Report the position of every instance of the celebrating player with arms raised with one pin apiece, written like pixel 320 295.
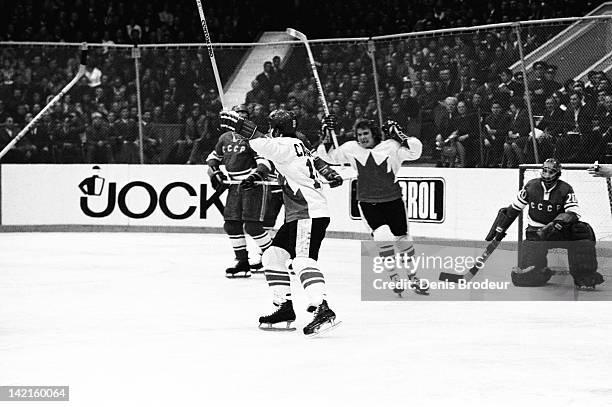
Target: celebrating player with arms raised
pixel 377 162
pixel 306 218
pixel 553 221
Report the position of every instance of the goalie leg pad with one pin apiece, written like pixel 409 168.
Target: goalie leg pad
pixel 581 253
pixel 531 276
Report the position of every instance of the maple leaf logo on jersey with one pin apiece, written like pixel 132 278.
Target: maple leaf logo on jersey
pixel 374 173
pixel 376 179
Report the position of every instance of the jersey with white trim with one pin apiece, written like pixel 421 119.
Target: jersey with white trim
pixel 376 167
pixel 545 205
pixel 302 189
pixel 238 157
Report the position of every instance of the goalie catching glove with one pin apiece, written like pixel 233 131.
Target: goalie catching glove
pixel 323 168
pixel 232 121
pixel 555 229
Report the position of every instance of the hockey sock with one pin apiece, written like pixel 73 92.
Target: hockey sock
pixel 236 235
pixel 312 279
pixel 405 250
pixel 259 234
pixel 280 283
pixel 388 250
pixel 276 274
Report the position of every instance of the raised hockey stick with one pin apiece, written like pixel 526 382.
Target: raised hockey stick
pixel 211 53
pixel 77 77
pixel 302 37
pixel 454 278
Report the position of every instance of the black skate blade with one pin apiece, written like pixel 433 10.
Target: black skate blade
pixel 586 288
pixel 240 274
pixel 275 328
pixel 324 329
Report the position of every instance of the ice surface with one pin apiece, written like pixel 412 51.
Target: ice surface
pixel 151 320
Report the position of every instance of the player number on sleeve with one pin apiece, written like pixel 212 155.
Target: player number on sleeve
pixel 571 198
pixel 309 164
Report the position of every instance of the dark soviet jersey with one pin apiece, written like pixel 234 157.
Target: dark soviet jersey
pixel 237 156
pixel 545 205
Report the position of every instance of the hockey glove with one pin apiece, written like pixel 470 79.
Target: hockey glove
pixel 554 229
pixel 323 168
pixel 217 177
pixel 328 125
pixel 250 182
pixel 392 130
pixel 232 121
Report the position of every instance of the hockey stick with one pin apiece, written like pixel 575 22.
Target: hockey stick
pixel 211 53
pixel 53 101
pixel 454 278
pixel 237 182
pixel 300 36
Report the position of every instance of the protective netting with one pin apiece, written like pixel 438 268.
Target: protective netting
pixel 461 91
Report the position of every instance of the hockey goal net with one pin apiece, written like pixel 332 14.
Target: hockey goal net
pixel 594 197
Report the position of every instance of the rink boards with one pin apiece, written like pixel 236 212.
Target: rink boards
pixel 442 203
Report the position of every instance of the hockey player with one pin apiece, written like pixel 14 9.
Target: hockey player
pixel 379 195
pixel 244 209
pixel 601 170
pixel 306 218
pixel 553 221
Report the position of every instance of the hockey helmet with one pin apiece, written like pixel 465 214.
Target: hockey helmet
pixel 551 171
pixel 241 109
pixel 282 122
pixel 363 124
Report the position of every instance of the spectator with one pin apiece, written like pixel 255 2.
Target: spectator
pixel 98 140
pixel 497 125
pixel 517 135
pixel 126 132
pixel 468 136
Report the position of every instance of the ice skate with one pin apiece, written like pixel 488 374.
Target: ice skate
pixel 279 320
pixel 588 283
pixel 417 286
pixel 398 287
pixel 324 320
pixel 242 269
pixel 257 268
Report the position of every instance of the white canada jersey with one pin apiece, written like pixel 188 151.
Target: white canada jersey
pixel 302 188
pixel 376 167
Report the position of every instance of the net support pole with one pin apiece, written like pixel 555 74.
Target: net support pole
pixel 372 54
pixel 517 29
pixel 136 56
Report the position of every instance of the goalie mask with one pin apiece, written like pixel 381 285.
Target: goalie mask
pixel 282 122
pixel 551 171
pixel 367 133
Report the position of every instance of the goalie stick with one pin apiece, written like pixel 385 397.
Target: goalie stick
pixel 454 278
pixel 66 89
pixel 302 37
